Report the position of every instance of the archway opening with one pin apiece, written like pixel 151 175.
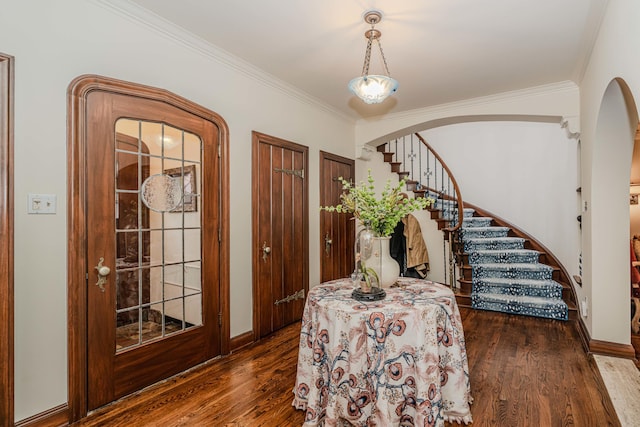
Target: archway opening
pixel 608 203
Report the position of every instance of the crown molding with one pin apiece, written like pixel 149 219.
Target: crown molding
pixel 597 13
pixel 139 15
pixel 456 106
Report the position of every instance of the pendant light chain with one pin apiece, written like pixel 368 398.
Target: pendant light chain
pixel 373 35
pixel 384 60
pixel 367 58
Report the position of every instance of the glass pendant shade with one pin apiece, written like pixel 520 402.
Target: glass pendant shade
pixel 373 89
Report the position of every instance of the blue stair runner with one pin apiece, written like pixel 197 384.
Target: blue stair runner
pixel 506 277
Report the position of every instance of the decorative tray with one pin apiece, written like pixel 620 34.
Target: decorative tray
pixel 376 294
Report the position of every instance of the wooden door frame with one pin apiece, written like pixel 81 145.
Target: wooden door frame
pixel 324 155
pixel 256 138
pixel 6 241
pixel 77 263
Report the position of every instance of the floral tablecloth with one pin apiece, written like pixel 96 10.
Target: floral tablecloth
pixel 398 361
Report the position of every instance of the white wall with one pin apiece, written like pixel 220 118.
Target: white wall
pixel 609 120
pixel 523 172
pixel 68 38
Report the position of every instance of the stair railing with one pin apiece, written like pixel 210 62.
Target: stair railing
pixel 427 175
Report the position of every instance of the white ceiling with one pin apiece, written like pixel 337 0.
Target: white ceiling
pixel 439 50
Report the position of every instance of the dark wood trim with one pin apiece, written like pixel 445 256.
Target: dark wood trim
pixel 337 158
pixel 54 417
pixel 77 264
pixel 241 341
pixel 255 231
pixel 76 252
pixel 583 332
pixel 6 241
pixel 625 351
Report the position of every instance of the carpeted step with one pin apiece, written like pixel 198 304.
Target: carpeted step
pixel 477 221
pixel 446 203
pixel 485 244
pixel 451 213
pixel 486 232
pixel 518 256
pixel 522 305
pixel 520 287
pixel 512 271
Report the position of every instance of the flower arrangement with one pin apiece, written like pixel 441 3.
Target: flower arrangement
pixel 381 215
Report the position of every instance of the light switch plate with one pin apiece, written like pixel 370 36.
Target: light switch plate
pixel 41 204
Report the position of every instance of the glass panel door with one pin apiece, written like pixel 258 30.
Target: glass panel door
pixel 158 231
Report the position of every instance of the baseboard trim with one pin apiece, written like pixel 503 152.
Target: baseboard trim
pixel 605 348
pixel 625 351
pixel 584 334
pixel 54 417
pixel 242 340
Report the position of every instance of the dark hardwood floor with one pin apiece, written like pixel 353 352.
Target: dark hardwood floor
pixel 524 372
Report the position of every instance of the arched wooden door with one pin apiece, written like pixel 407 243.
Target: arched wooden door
pixel 149 225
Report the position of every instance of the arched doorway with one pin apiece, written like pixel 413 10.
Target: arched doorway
pixel 606 211
pixel 634 232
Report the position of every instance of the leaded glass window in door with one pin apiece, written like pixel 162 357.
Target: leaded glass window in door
pixel 158 231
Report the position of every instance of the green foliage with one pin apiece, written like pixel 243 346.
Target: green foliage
pixel 382 214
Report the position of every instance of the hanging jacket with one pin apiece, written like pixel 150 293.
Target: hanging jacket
pixel 417 255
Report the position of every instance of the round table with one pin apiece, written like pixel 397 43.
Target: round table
pixel 398 361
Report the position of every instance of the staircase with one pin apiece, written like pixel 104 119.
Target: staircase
pixel 501 268
pixel 505 275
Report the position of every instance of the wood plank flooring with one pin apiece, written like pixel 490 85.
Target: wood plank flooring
pixel 524 372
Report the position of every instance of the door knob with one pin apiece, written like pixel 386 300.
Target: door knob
pixel 266 250
pixel 103 272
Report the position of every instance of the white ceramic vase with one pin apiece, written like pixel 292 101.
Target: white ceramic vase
pixel 381 261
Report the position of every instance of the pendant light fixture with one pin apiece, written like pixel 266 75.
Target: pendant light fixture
pixel 373 88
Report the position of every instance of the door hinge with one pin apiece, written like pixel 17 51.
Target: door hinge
pixel 292 297
pixel 220 319
pixel 295 172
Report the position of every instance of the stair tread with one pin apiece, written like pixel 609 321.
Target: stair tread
pixel 516 282
pixel 521 299
pixel 515 265
pixel 501 251
pixel 494 239
pixel 489 227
